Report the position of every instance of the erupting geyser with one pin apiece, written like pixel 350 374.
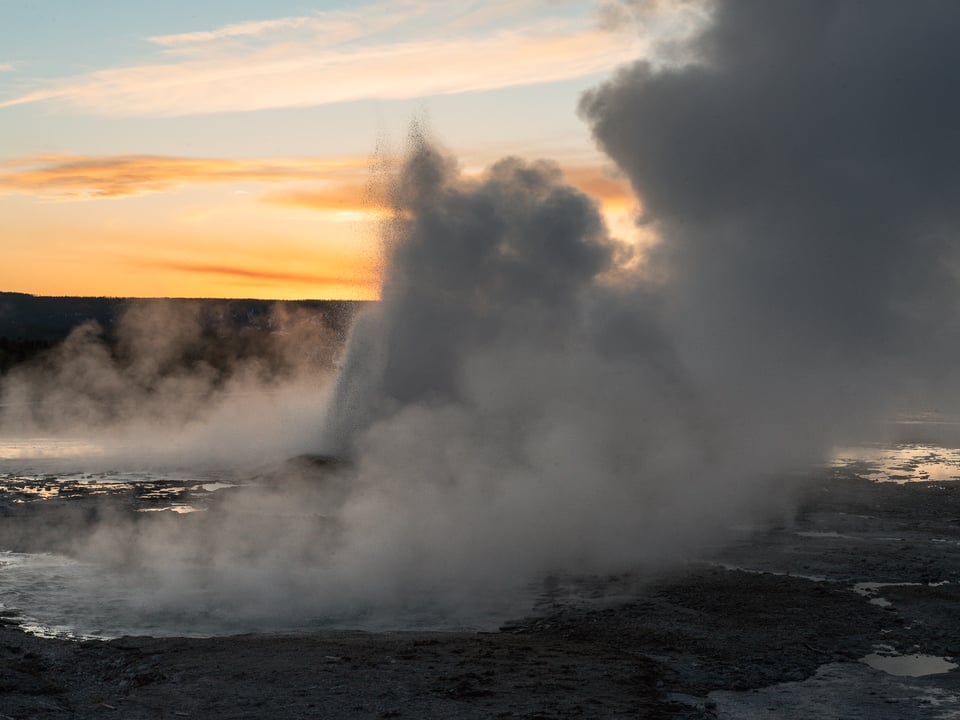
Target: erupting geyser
pixel 527 398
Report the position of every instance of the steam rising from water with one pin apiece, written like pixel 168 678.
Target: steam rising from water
pixel 520 404
pixel 178 384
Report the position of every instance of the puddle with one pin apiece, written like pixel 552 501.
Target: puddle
pixel 909 665
pixel 214 486
pixel 870 590
pixel 179 509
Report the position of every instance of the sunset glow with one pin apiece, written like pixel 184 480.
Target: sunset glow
pixel 237 151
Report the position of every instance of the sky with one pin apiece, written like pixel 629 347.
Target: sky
pixel 229 149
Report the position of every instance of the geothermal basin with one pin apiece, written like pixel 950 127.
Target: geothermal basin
pixel 847 604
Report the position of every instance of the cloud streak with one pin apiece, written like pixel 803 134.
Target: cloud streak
pixel 322 27
pixel 342 277
pixel 81 176
pixel 340 57
pixel 337 197
pixel 601 182
pixel 234 30
pixel 342 186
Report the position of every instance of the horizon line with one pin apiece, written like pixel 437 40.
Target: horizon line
pixel 184 297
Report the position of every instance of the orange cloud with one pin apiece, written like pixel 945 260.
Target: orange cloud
pixel 337 185
pixel 348 197
pixel 76 176
pixel 341 280
pixel 612 190
pixel 278 276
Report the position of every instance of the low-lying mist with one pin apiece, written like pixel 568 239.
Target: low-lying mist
pixel 528 398
pixel 181 382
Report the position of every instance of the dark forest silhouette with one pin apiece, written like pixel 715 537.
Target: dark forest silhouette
pixel 32 324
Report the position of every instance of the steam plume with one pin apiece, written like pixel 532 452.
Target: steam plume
pixel 518 403
pixel 802 176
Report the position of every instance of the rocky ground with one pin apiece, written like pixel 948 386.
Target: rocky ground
pixel 775 625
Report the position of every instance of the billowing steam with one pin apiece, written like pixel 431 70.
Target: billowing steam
pixel 803 178
pixel 520 404
pixel 509 410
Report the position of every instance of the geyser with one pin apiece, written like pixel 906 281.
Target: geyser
pixel 513 405
pixel 521 402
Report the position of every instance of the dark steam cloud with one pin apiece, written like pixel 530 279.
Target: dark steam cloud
pixel 471 265
pixel 803 176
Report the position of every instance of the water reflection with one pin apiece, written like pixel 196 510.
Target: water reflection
pixel 909 462
pixel 30 448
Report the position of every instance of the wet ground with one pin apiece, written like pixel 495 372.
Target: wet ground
pixel 850 608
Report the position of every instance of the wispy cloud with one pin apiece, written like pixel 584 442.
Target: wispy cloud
pixel 410 18
pixel 400 49
pixel 7 67
pixel 344 198
pixel 319 28
pixel 78 177
pixel 236 30
pixel 342 189
pixel 259 274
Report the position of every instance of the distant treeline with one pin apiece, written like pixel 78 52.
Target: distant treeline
pixel 31 324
